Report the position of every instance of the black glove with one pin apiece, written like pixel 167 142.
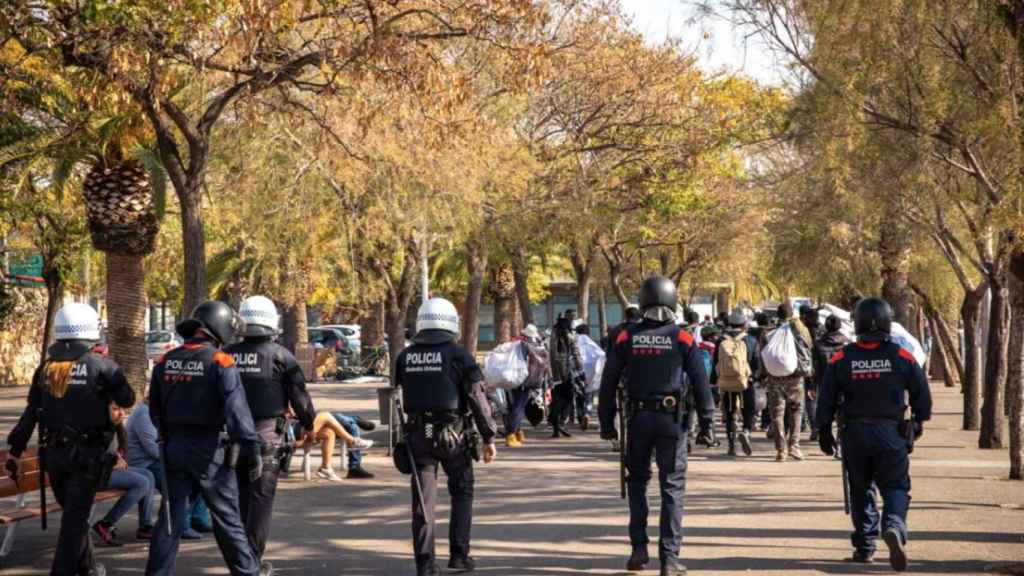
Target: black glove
pixel 918 430
pixel 826 441
pixel 12 467
pixel 610 434
pixel 255 462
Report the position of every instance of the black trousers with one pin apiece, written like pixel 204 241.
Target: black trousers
pixel 663 436
pixel 459 469
pixel 74 483
pixel 561 405
pixel 189 474
pixel 256 499
pixel 739 406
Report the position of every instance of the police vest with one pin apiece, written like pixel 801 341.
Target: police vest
pixel 190 387
pixel 655 357
pixel 261 371
pixel 83 406
pixel 873 381
pixel 430 379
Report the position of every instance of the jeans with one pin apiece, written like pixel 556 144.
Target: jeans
pixel 355 457
pixel 198 512
pixel 517 399
pixel 138 484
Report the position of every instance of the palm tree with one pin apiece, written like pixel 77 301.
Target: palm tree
pixel 123 182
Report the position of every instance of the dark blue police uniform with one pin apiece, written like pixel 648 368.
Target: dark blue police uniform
pixel 654 357
pixel 273 381
pixel 867 384
pixel 441 384
pixel 195 394
pixel 75 425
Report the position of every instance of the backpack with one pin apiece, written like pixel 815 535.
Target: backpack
pixel 707 351
pixel 779 355
pixel 733 367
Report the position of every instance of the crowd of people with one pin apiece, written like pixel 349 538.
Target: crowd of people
pixel 222 418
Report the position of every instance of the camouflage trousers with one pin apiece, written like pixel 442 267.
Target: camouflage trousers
pixel 783 393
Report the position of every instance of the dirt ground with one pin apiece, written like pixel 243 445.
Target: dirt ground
pixel 553 508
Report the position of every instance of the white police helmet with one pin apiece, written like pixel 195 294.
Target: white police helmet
pixel 77 321
pixel 260 316
pixel 438 314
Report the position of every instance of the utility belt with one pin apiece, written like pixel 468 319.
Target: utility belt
pixel 877 420
pixel 70 436
pixel 448 432
pixel 669 404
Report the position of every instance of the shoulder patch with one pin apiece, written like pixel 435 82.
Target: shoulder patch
pixel 906 355
pixel 837 357
pixel 623 337
pixel 225 360
pixel 685 337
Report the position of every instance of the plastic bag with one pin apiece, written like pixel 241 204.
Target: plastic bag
pixel 506 367
pixel 779 353
pixel 907 341
pixel 499 401
pixel 593 362
pixel 760 399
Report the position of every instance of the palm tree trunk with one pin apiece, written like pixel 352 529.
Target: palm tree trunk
pixel 126 316
pixel 294 329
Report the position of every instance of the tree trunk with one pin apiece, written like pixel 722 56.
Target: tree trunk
pixel 54 300
pixel 503 292
pixel 194 244
pixel 294 329
pixel 970 313
pixel 372 327
pixel 521 269
pixel 615 279
pixel 1015 374
pixel 894 249
pixel 943 354
pixel 602 312
pixel 398 302
pixel 583 268
pixel 942 335
pixel 477 267
pixel 992 416
pixel 126 316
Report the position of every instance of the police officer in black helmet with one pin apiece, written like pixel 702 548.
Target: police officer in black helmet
pixel 657 357
pixel 198 405
pixel 273 381
pixel 443 395
pixel 867 384
pixel 69 400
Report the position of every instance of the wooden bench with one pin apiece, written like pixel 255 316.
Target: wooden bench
pixel 28 483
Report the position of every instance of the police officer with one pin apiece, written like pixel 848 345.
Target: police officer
pixel 656 357
pixel 69 399
pixel 196 395
pixel 273 381
pixel 443 395
pixel 867 383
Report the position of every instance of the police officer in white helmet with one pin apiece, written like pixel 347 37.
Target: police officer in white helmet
pixel 69 399
pixel 273 381
pixel 442 390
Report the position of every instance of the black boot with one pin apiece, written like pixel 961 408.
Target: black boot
pixel 862 557
pixel 428 569
pixel 638 559
pixel 462 564
pixel 672 567
pixel 732 444
pixel 897 550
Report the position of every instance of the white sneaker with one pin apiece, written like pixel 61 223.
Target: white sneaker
pixel 328 474
pixel 361 444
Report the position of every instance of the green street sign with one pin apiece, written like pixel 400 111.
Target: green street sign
pixel 27 266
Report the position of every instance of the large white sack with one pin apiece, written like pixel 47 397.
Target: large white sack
pixel 593 361
pixel 506 366
pixel 907 341
pixel 779 353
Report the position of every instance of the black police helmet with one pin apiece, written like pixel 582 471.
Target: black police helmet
pixel 658 291
pixel 216 318
pixel 872 319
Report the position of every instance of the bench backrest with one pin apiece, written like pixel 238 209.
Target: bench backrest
pixel 28 474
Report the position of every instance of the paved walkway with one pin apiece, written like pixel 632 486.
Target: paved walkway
pixel 552 509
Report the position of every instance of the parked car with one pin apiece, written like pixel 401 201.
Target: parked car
pixel 160 342
pixel 352 333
